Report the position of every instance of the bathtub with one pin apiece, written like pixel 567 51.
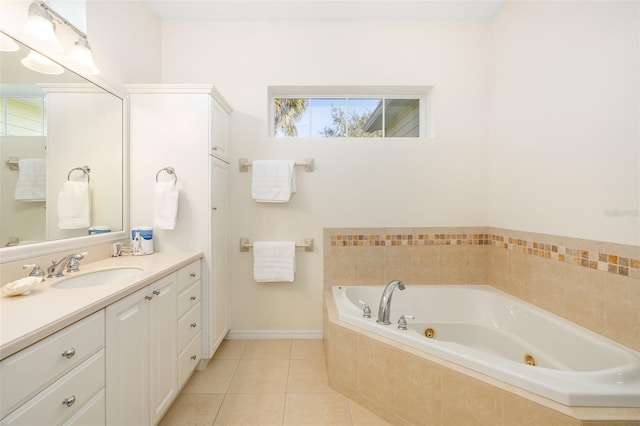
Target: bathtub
pixel 489 331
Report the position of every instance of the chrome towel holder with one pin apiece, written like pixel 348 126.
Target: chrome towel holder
pixel 309 165
pixel 245 245
pixel 169 170
pixel 84 169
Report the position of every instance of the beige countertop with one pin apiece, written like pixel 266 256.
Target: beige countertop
pixel 27 319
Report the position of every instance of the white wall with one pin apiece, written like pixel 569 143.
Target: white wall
pixel 437 182
pixel 564 151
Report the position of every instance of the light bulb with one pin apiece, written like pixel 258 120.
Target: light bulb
pixel 82 56
pixel 41 26
pixel 36 62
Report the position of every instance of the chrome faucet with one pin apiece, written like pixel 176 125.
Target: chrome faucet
pixel 385 302
pixel 71 261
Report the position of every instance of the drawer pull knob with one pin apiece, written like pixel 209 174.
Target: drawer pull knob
pixel 69 401
pixel 193 325
pixel 193 357
pixel 156 292
pixel 69 353
pixel 148 297
pixel 193 297
pixel 192 275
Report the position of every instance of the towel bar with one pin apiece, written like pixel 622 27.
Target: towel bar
pixel 308 165
pixel 170 170
pixel 245 245
pixel 12 163
pixel 84 169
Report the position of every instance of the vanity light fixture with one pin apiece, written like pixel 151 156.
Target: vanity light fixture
pixel 81 55
pixel 36 62
pixel 42 19
pixel 40 25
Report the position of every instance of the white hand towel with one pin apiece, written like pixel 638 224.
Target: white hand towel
pixel 32 180
pixel 74 206
pixel 274 261
pixel 165 205
pixel 273 181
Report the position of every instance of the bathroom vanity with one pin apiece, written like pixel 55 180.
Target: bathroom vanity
pixel 112 352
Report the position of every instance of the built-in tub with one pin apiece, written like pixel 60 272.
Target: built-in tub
pixel 489 331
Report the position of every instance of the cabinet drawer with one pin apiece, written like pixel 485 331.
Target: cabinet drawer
pixel 189 298
pixel 189 325
pixel 188 359
pixel 189 275
pixel 29 371
pixel 93 413
pixel 78 386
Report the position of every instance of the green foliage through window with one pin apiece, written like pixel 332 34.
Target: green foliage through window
pixel 333 117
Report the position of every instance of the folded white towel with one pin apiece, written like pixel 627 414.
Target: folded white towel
pixel 74 205
pixel 21 286
pixel 165 205
pixel 274 261
pixel 32 180
pixel 273 181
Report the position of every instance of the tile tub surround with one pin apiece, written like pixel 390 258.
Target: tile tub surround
pixel 594 284
pixel 407 387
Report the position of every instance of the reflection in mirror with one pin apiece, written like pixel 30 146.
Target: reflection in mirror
pixel 51 127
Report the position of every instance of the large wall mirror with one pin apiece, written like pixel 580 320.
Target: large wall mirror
pixel 62 153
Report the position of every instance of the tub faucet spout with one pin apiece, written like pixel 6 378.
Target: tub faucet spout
pixel 385 301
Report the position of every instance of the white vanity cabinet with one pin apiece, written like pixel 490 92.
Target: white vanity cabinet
pixel 185 127
pixel 141 340
pixel 189 321
pixel 58 379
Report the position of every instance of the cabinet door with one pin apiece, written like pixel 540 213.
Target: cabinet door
pixel 219 254
pixel 127 348
pixel 218 143
pixel 163 346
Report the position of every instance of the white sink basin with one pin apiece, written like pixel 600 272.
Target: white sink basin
pixel 95 278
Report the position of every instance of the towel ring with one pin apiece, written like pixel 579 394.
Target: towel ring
pixel 84 169
pixel 169 170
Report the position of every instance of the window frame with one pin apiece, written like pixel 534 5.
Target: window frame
pixel 421 93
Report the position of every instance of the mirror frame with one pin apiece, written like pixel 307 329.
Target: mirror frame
pixel 8 254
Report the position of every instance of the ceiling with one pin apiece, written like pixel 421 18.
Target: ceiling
pixel 324 10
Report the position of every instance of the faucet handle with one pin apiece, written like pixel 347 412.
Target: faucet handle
pixel 402 322
pixel 366 310
pixel 36 271
pixel 74 262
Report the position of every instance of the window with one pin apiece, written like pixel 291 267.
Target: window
pixel 22 116
pixel 357 116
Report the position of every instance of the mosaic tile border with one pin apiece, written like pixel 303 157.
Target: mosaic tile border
pixel 607 262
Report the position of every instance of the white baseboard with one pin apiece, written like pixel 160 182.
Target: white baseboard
pixel 274 334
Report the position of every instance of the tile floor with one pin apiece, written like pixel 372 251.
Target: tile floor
pixel 265 383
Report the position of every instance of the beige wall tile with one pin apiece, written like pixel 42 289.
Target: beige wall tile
pixel 330 409
pixel 251 410
pixel 418 389
pixel 622 310
pixel 583 297
pixel 466 401
pixel 543 289
pixel 342 353
pixel 375 370
pixel 370 265
pixel 426 265
pixel 477 259
pixel 452 264
pixel 340 266
pixel 521 412
pixel 360 416
pixel 399 264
